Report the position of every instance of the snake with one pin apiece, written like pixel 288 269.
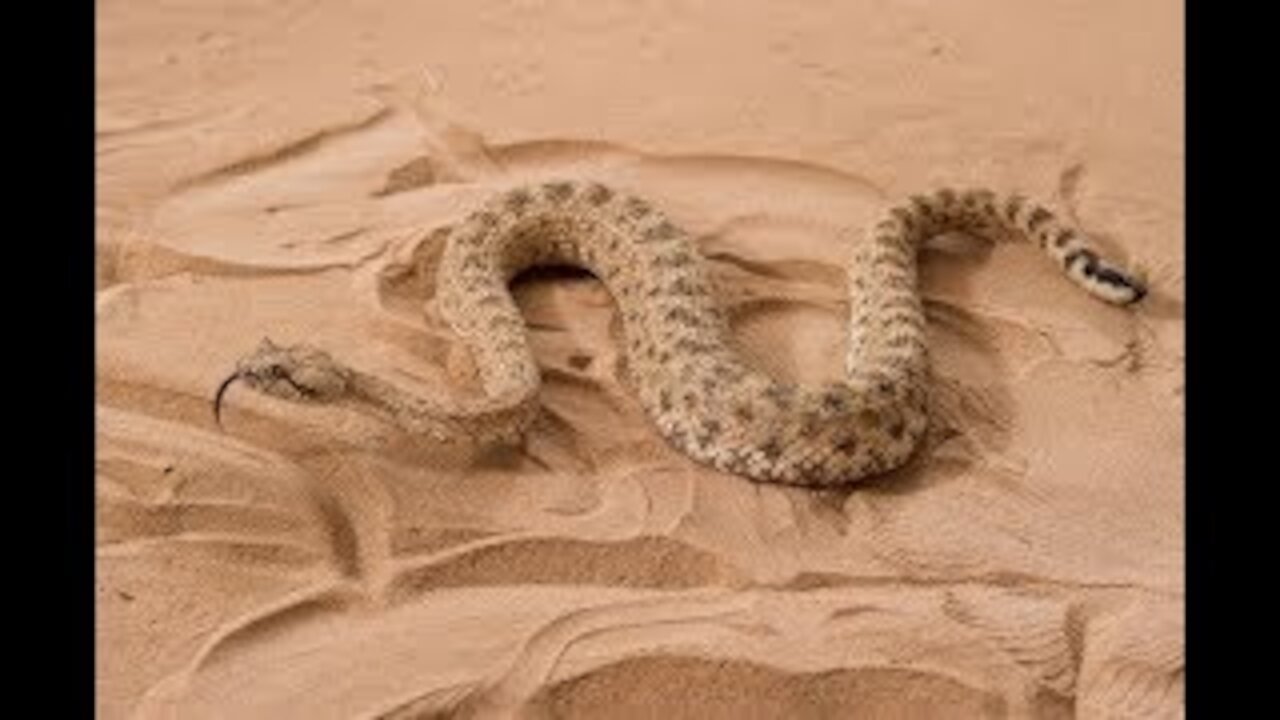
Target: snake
pixel 705 397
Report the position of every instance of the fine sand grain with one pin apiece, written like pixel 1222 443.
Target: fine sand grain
pixel 278 169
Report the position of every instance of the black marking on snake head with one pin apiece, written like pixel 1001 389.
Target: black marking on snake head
pixel 303 391
pixel 1065 236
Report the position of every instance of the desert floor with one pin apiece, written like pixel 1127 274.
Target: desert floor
pixel 276 169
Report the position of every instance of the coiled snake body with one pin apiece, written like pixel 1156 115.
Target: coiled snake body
pixel 703 396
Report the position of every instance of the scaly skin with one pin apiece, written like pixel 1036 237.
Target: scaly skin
pixel 703 396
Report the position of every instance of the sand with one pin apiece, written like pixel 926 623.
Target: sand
pixel 276 169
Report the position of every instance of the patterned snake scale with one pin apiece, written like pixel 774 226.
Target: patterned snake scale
pixel 703 396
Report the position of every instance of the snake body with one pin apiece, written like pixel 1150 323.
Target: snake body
pixel 704 397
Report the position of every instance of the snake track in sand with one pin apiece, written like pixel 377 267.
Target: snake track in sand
pixel 704 397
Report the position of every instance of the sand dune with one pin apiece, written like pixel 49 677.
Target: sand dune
pixel 278 169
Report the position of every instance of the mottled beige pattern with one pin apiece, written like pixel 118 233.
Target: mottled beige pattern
pixel 704 397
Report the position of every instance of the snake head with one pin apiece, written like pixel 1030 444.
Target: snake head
pixel 300 373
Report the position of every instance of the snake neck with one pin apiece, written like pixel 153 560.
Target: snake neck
pixel 492 419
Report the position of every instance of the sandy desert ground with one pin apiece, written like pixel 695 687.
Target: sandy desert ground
pixel 277 169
